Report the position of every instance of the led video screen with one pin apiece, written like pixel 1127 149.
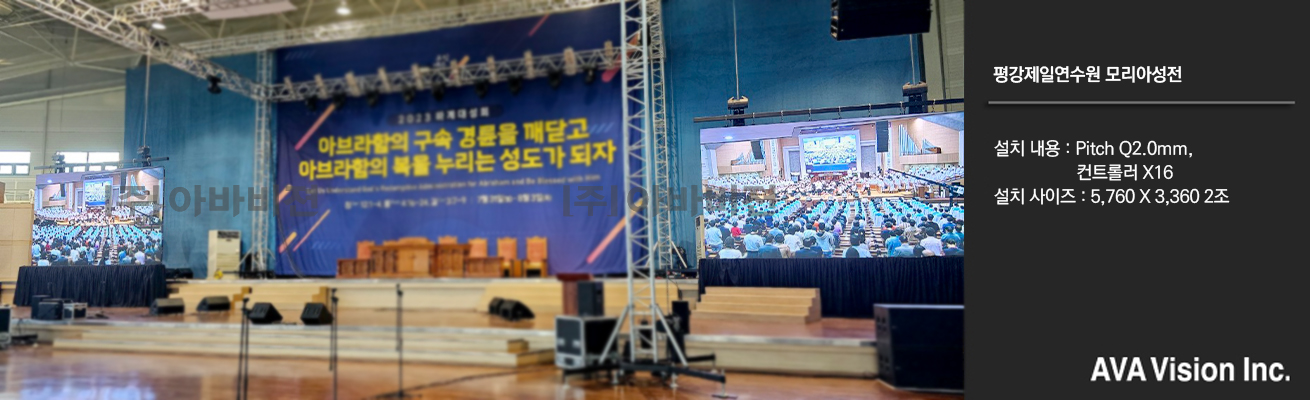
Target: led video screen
pixel 99 218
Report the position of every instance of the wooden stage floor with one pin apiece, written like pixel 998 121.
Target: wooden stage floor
pixel 827 328
pixel 45 373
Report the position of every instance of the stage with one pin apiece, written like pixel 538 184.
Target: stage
pixel 445 323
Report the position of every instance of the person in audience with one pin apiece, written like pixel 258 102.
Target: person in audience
pixel 810 250
pixel 730 250
pixel 753 241
pixel 904 249
pixel 892 242
pixel 858 249
pixel 770 248
pixel 827 241
pixel 793 239
pixel 784 249
pixel 952 249
pixel 930 242
pixel 713 237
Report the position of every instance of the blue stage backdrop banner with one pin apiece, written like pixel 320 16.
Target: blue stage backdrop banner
pixel 543 162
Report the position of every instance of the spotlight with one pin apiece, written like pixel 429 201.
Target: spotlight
pixel 339 99
pixel 158 25
pixel 408 94
pixel 515 85
pixel 590 75
pixel 213 84
pixel 311 103
pixel 481 87
pixel 373 98
pixel 438 89
pixel 343 10
pixel 556 77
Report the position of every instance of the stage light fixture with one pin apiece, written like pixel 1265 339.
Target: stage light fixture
pixel 408 94
pixel 556 77
pixel 373 98
pixel 343 9
pixel 311 103
pixel 515 85
pixel 438 89
pixel 339 99
pixel 158 25
pixel 589 74
pixel 213 84
pixel 482 87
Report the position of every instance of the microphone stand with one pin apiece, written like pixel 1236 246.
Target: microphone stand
pixel 332 359
pixel 400 343
pixel 104 299
pixel 243 356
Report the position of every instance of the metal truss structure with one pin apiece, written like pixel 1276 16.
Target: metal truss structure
pixel 412 22
pixel 260 252
pixel 642 314
pixel 150 10
pixel 106 25
pixel 641 56
pixel 663 157
pixel 454 75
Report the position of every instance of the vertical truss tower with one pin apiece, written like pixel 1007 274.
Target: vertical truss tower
pixel 260 253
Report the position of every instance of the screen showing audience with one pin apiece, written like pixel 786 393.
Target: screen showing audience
pixel 98 218
pixel 872 187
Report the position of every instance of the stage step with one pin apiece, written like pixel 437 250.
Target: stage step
pixel 769 317
pixel 378 342
pixel 761 291
pixel 492 359
pixel 740 299
pixel 755 304
pixel 271 341
pixel 754 308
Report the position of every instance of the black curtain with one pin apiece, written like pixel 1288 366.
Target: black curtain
pixel 848 287
pixel 99 286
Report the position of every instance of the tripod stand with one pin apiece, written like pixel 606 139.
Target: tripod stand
pixel 243 354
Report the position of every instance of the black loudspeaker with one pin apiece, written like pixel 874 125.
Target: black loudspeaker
pixel 920 347
pixel 37 299
pixel 316 314
pixel 591 299
pixel 881 127
pixel 48 311
pixel 757 149
pixel 5 314
pixel 494 307
pixel 858 19
pixel 214 303
pixel 264 313
pixel 167 306
pixel 514 310
pixel 682 309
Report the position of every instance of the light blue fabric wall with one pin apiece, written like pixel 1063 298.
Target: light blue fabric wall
pixel 209 140
pixel 788 60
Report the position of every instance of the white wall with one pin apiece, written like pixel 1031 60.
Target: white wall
pixel 86 123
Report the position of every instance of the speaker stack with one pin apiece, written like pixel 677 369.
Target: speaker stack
pixel 920 347
pixel 316 314
pixel 514 310
pixel 591 299
pixel 214 303
pixel 858 19
pixel 264 313
pixel 167 306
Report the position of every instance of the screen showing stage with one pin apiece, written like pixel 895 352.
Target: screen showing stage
pixel 98 218
pixel 95 191
pixel 864 187
pixel 831 152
